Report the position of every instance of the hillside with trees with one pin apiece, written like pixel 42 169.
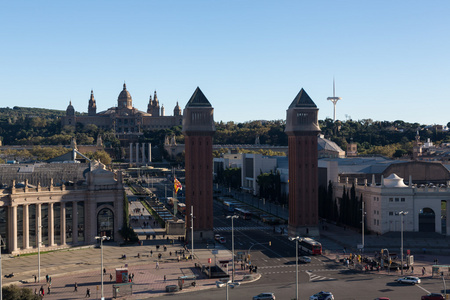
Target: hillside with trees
pixel 37 126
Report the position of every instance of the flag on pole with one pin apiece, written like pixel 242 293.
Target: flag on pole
pixel 177 185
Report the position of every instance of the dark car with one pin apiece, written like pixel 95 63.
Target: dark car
pixel 433 296
pixel 264 296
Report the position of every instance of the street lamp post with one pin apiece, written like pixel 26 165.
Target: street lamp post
pixel 362 224
pixel 402 213
pixel 296 264
pixel 192 231
pixel 232 243
pixel 102 238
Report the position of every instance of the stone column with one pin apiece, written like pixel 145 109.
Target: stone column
pixel 74 222
pixel 131 153
pixel 137 153
pixel 38 224
pixel 63 223
pixel 13 231
pixel 149 152
pixel 26 226
pixel 143 153
pixel 51 225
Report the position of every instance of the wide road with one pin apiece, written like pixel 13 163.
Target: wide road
pixel 276 264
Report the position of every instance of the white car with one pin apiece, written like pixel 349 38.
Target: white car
pixel 409 280
pixel 264 296
pixel 322 296
pixel 220 284
pixel 304 259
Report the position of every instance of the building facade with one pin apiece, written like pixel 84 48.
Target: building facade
pixel 87 202
pixel 427 206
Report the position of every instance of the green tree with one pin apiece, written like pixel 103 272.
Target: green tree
pixel 13 292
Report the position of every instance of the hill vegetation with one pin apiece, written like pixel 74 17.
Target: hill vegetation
pixel 37 126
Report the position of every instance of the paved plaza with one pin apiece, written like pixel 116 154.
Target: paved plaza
pixel 83 265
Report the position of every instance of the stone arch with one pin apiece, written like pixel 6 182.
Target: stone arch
pixel 427 220
pixel 105 222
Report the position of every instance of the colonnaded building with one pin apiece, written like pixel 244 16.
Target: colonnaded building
pixel 60 204
pixel 124 119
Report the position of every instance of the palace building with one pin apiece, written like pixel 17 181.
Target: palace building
pixel 128 122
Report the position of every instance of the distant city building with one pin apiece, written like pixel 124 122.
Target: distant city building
pixel 127 122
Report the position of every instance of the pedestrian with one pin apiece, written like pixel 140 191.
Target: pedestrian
pixel 110 277
pixel 50 281
pixel 104 271
pixel 41 291
pixel 151 253
pixel 46 278
pixel 35 278
pixel 423 271
pixel 412 269
pixel 75 289
pixel 157 265
pixel 88 293
pixel 48 290
pixel 164 278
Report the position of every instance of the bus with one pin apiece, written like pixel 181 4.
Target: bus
pixel 310 246
pixel 243 214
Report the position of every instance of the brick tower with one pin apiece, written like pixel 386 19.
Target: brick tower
pixel 198 130
pixel 302 128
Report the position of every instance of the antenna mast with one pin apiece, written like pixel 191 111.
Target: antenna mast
pixel 334 99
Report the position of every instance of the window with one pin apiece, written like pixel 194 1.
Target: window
pixel 391 213
pixel 374 212
pixel 374 222
pixel 391 199
pixel 397 199
pixel 402 199
pixel 378 222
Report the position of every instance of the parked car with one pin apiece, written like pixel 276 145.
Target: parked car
pixel 217 237
pixel 264 296
pixel 222 240
pixel 382 298
pixel 304 259
pixel 433 296
pixel 220 284
pixel 322 296
pixel 409 280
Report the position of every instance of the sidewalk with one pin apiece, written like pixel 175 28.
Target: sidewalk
pixel 83 266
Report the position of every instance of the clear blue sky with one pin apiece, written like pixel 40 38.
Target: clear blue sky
pixel 391 59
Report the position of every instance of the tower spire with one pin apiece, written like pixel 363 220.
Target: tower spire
pixel 334 99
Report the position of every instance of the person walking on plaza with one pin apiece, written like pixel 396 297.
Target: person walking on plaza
pixel 48 290
pixel 41 291
pixel 110 277
pixel 75 289
pixel 157 265
pixel 423 271
pixel 165 278
pixel 88 293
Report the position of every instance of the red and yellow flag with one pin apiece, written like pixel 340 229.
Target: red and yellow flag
pixel 177 185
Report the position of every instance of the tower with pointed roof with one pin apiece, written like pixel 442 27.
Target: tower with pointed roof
pixel 198 130
pixel 177 110
pixel 92 107
pixel 302 128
